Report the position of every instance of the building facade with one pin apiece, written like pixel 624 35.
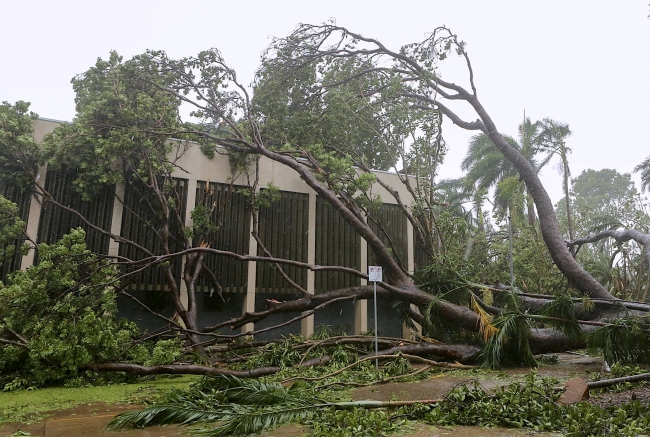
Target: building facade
pixel 299 226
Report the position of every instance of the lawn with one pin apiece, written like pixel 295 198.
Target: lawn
pixel 29 405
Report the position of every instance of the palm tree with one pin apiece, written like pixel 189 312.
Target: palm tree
pixel 553 135
pixel 488 168
pixel 459 192
pixel 644 168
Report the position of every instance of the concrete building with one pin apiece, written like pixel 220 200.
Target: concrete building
pixel 299 225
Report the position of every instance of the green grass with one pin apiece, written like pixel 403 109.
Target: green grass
pixel 26 406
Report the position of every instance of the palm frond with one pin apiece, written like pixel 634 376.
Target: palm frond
pixel 243 420
pixel 254 392
pixel 563 317
pixel 164 414
pixel 486 328
pixel 625 340
pixel 485 164
pixel 509 346
pixel 241 406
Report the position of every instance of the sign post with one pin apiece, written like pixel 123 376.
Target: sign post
pixel 374 275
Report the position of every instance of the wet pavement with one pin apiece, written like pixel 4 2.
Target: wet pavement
pixel 474 431
pixel 89 420
pixel 80 425
pixel 435 387
pixel 429 431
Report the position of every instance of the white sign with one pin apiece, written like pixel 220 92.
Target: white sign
pixel 374 273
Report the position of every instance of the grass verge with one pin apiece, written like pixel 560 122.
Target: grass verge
pixel 28 406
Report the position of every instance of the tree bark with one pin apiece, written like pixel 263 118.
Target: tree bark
pixel 576 275
pixel 462 353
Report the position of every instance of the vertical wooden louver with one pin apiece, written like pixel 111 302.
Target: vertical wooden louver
pixel 337 244
pixel 421 258
pixel 56 221
pixel 141 221
pixel 283 229
pixel 22 200
pixel 233 220
pixel 389 223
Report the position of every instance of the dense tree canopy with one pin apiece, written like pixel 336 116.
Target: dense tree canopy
pixel 329 104
pixel 603 201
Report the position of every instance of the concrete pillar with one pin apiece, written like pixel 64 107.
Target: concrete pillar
pixel 34 218
pixel 410 247
pixel 307 324
pixel 189 207
pixel 249 300
pixel 116 220
pixel 361 305
pixel 406 331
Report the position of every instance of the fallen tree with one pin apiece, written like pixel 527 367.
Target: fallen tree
pixel 128 112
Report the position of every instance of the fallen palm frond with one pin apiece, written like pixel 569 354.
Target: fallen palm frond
pixel 240 407
pixel 561 313
pixel 486 328
pixel 182 412
pixel 243 420
pixel 624 340
pixel 509 346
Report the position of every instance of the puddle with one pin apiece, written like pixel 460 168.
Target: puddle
pixel 88 421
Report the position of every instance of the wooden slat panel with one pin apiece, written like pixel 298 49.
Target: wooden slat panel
pixel 233 233
pixel 282 227
pixel 420 257
pixel 140 220
pixel 390 225
pixel 56 221
pixel 22 200
pixel 336 244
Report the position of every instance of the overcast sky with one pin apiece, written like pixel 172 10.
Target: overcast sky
pixel 582 62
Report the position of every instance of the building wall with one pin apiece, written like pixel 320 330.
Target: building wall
pixel 298 226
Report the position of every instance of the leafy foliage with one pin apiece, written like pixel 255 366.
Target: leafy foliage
pixel 356 422
pixel 528 405
pixel 644 169
pixel 305 112
pixel 64 309
pixel 532 405
pixel 522 404
pixel 11 230
pixel 122 126
pixel 282 353
pixel 624 340
pixel 61 315
pixel 19 152
pixel 246 406
pixel 606 199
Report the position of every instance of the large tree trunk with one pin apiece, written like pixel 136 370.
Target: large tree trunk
pixel 577 276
